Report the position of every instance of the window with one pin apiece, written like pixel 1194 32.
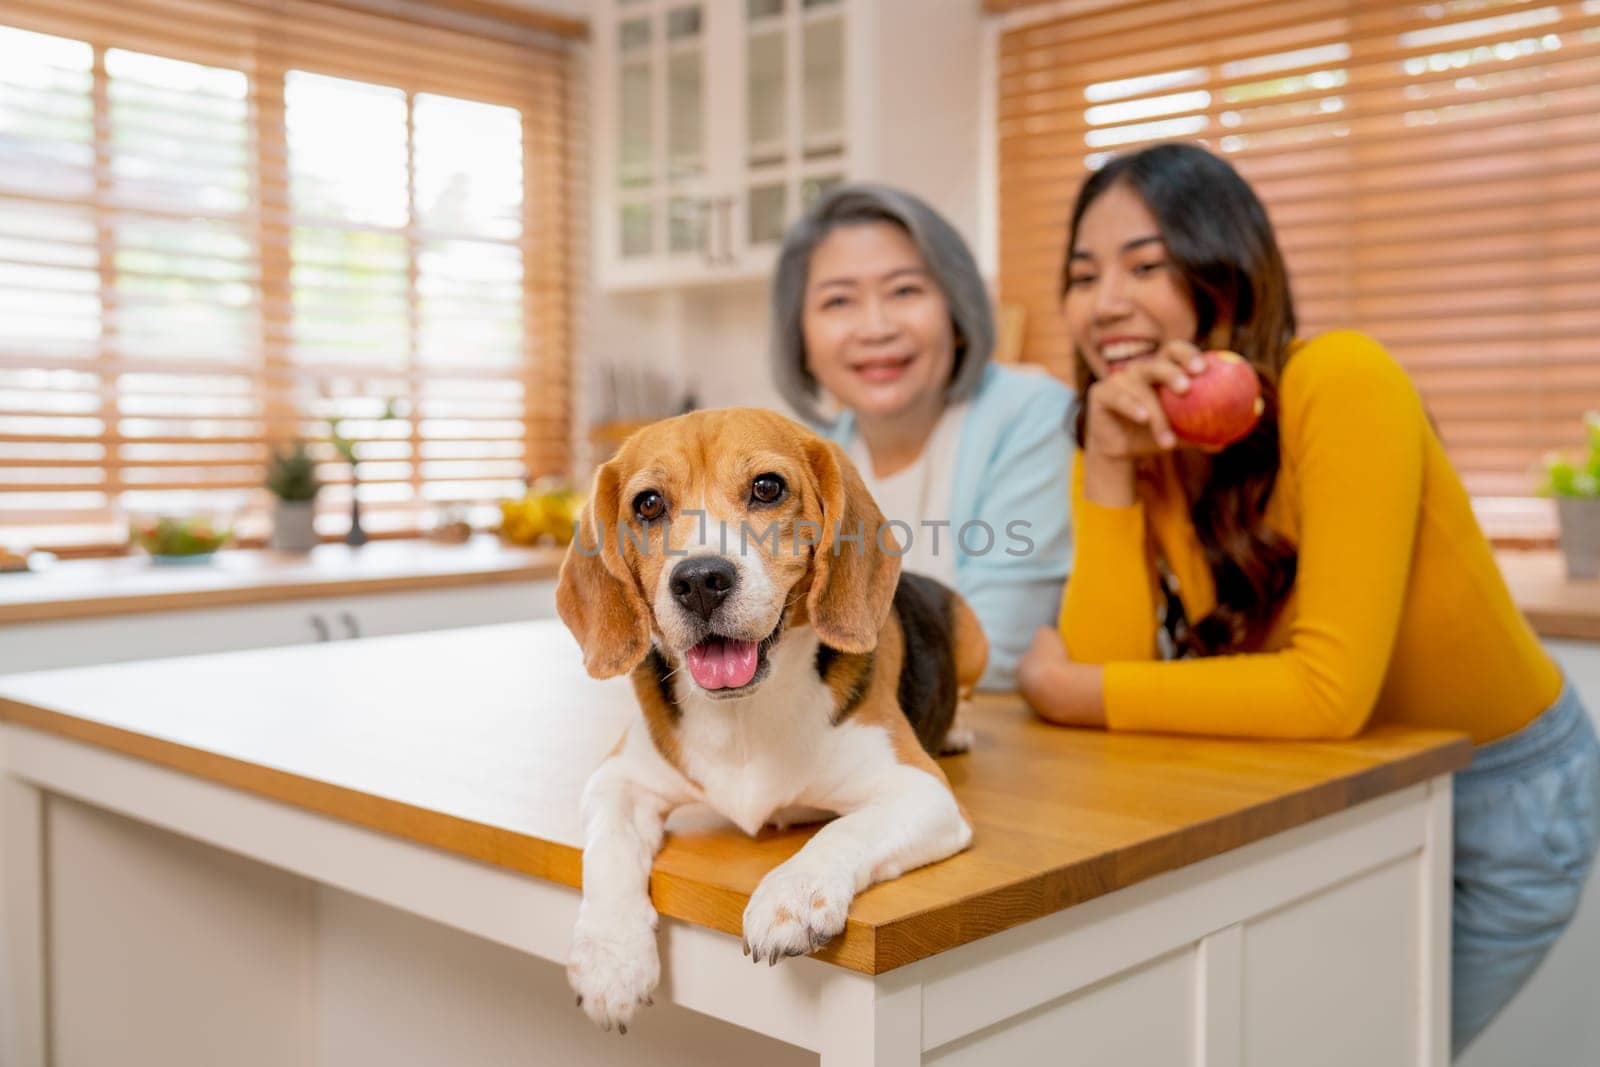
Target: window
pixel 220 231
pixel 1429 167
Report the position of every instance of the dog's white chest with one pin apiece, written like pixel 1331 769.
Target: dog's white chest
pixel 751 761
pixel 749 796
pixel 751 758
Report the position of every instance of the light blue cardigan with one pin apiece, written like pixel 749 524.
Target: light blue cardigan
pixel 1014 463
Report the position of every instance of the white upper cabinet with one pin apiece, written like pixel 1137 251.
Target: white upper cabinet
pixel 715 124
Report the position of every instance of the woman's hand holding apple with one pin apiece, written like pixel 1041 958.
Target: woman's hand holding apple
pixel 1126 419
pixel 1143 407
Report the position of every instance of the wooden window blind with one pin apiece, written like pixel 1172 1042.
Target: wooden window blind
pixel 1431 169
pixel 225 222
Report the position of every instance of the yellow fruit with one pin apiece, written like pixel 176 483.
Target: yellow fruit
pixel 548 510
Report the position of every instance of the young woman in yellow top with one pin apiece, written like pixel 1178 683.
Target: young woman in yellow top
pixel 1324 573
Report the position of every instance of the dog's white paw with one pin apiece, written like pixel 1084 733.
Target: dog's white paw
pixel 795 911
pixel 614 965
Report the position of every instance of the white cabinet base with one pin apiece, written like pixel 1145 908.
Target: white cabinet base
pixel 38 646
pixel 1323 945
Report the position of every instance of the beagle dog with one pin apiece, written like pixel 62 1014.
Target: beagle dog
pixel 735 564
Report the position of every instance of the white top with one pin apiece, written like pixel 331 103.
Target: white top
pixel 921 493
pixel 83 587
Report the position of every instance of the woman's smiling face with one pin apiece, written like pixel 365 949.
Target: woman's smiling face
pixel 1125 297
pixel 877 329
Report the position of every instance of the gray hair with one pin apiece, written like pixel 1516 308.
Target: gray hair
pixel 945 254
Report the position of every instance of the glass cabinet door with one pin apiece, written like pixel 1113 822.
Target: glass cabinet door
pixel 822 80
pixel 661 129
pixel 794 144
pixel 684 93
pixel 636 141
pixel 767 119
pixel 730 118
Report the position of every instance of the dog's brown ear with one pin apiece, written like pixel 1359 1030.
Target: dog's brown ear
pixel 597 596
pixel 852 581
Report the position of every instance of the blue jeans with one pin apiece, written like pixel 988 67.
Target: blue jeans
pixel 1527 822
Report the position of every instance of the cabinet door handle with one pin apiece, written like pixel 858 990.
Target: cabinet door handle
pixel 708 251
pixel 352 629
pixel 319 625
pixel 725 206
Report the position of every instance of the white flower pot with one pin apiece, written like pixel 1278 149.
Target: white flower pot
pixel 1580 536
pixel 294 527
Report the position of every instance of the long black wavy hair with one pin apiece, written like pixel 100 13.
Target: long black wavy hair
pixel 1222 246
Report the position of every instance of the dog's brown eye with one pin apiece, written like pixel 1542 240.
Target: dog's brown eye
pixel 649 506
pixel 767 489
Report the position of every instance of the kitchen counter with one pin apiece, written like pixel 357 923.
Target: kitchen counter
pixel 75 589
pixel 471 742
pixel 1556 605
pixel 463 752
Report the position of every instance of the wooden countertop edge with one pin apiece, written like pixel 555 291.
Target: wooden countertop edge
pixel 917 937
pixel 503 848
pixel 1554 604
pixel 140 604
pixel 1570 623
pixel 863 947
pixel 674 896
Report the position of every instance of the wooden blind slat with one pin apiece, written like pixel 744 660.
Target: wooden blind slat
pixel 1041 93
pixel 1571 98
pixel 1137 29
pixel 1430 170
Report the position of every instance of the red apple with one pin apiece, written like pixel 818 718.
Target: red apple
pixel 1221 406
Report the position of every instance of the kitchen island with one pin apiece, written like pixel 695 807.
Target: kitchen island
pixel 369 852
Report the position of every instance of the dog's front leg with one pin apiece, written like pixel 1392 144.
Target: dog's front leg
pixel 614 964
pixel 904 819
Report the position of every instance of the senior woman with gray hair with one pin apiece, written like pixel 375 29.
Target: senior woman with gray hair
pixel 878 302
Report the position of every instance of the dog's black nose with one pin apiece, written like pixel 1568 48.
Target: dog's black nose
pixel 703 583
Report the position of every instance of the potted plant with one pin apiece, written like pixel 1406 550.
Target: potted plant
pixel 1575 483
pixel 292 477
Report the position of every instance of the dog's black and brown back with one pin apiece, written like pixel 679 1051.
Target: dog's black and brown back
pixel 945 652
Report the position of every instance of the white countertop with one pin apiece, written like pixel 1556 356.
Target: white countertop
pixel 131 584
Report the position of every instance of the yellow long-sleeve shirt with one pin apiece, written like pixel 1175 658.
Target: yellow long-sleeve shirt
pixel 1398 611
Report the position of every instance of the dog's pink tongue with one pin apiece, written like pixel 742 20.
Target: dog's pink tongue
pixel 722 663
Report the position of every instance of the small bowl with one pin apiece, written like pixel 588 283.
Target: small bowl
pixel 179 539
pixel 164 560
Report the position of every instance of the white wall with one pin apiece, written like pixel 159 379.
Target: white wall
pixel 928 127
pixel 725 346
